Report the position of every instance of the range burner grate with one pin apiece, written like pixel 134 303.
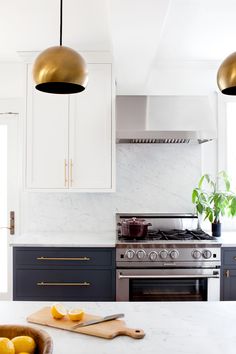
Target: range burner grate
pixel 169 235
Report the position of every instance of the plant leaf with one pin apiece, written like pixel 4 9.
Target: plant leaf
pixel 194 195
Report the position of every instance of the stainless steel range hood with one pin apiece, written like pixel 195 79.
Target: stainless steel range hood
pixel 164 119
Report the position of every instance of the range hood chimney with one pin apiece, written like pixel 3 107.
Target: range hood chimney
pixel 164 119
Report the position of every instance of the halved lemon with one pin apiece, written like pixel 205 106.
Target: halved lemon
pixel 24 344
pixel 58 311
pixel 6 346
pixel 75 314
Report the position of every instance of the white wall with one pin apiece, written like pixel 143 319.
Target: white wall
pixel 150 178
pixel 13 80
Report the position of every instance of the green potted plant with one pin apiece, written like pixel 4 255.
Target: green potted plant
pixel 213 199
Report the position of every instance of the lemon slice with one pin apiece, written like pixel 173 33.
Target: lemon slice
pixel 6 346
pixel 58 311
pixel 24 344
pixel 75 314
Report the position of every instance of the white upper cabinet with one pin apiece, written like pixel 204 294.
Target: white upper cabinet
pixel 70 138
pixel 90 147
pixel 47 138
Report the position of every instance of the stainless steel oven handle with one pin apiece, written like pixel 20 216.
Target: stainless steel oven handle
pixel 167 276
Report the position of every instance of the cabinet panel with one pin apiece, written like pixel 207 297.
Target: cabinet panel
pixel 229 285
pixel 229 257
pixel 47 138
pixel 52 284
pixel 61 276
pixel 91 132
pixel 228 274
pixel 53 257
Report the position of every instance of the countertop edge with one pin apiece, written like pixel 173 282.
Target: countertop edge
pixel 106 245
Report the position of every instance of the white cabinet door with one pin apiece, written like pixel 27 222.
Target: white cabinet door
pixel 46 139
pixel 90 148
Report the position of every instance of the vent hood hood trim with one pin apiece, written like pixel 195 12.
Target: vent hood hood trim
pixel 135 114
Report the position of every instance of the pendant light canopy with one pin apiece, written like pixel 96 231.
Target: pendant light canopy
pixel 60 69
pixel 226 76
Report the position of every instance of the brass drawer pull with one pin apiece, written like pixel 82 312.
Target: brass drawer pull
pixel 65 173
pixel 227 274
pixel 63 258
pixel 234 258
pixel 42 283
pixel 71 173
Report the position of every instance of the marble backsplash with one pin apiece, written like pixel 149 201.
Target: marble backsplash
pixel 150 178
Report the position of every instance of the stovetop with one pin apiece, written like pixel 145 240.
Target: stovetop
pixel 170 235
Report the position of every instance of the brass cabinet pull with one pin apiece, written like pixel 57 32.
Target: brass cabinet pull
pixel 63 258
pixel 227 274
pixel 12 224
pixel 42 283
pixel 71 173
pixel 234 258
pixel 65 173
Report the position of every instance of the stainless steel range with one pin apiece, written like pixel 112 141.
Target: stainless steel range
pixel 166 257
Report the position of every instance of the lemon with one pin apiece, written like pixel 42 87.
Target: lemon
pixel 76 314
pixel 58 311
pixel 6 346
pixel 24 344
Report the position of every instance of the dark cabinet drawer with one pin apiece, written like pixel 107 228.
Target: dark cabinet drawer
pixel 76 257
pixel 64 274
pixel 229 285
pixel 57 285
pixel 229 257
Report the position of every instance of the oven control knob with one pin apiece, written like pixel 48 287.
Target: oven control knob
pixel 130 254
pixel 163 254
pixel 153 256
pixel 206 254
pixel 196 254
pixel 141 254
pixel 174 254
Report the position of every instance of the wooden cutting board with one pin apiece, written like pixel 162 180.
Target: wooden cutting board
pixel 107 330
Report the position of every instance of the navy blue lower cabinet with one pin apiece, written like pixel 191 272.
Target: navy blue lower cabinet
pixel 63 274
pixel 228 274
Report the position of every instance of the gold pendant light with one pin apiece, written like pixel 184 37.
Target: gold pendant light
pixel 60 69
pixel 226 76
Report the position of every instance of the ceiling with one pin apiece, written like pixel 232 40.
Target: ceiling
pixel 143 35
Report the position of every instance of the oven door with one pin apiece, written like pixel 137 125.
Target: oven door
pixel 168 285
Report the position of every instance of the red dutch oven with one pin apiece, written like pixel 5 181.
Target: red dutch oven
pixel 134 228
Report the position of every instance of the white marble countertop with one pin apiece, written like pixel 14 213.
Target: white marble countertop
pixel 180 328
pixel 65 239
pixel 228 239
pixel 88 239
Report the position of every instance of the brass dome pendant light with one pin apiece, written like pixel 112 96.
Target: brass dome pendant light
pixel 60 69
pixel 226 75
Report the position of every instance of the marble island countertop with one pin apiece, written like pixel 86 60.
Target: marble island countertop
pixel 65 239
pixel 180 328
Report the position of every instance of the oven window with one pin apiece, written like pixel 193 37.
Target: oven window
pixel 168 289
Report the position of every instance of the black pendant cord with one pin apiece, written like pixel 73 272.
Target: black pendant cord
pixel 61 8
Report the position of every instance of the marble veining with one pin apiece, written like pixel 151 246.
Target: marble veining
pixel 176 327
pixel 150 178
